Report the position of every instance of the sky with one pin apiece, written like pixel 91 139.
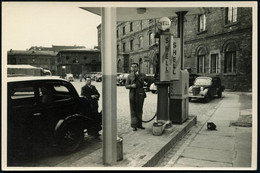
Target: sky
pixel 26 24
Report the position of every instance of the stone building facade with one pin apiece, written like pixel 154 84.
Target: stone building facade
pixel 60 60
pixel 218 42
pixel 136 42
pixel 44 59
pixel 78 61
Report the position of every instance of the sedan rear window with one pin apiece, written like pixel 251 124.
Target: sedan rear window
pixel 22 96
pixel 54 93
pixel 60 88
pixel 23 92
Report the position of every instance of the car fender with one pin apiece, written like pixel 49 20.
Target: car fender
pixel 78 119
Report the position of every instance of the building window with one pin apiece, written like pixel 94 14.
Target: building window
pixel 94 69
pixel 140 41
pixel 119 65
pixel 123 47
pixel 117 48
pixel 231 15
pixel 214 63
pixel 201 60
pixel 131 26
pixel 151 38
pixel 124 30
pixel 131 45
pixel 140 64
pixel 117 33
pixel 202 23
pixel 230 59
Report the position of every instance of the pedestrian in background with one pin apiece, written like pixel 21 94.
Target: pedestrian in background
pixel 91 94
pixel 135 82
pixel 80 77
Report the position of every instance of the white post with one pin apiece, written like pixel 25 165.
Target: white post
pixel 109 94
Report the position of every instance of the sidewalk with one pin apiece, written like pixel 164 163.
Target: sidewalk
pixel 229 146
pixel 140 149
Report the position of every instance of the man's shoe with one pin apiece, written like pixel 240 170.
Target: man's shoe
pixel 135 129
pixel 141 127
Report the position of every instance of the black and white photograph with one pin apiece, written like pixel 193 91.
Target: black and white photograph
pixel 129 85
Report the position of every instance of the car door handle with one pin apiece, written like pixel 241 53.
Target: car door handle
pixel 36 114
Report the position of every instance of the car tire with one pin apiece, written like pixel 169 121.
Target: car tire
pixel 219 94
pixel 154 92
pixel 70 138
pixel 206 99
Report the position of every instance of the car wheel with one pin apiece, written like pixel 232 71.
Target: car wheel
pixel 70 138
pixel 206 99
pixel 219 94
pixel 154 91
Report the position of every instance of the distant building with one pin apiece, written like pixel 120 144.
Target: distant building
pixel 218 42
pixel 136 43
pixel 55 48
pixel 59 59
pixel 44 59
pixel 78 61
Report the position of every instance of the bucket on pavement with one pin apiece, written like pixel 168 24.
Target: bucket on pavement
pixel 119 148
pixel 157 128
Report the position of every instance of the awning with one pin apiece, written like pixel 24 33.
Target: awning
pixel 138 13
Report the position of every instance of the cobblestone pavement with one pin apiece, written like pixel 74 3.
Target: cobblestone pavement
pixel 198 108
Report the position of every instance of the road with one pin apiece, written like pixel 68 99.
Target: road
pixel 50 157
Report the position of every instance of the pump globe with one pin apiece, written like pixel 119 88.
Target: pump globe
pixel 164 23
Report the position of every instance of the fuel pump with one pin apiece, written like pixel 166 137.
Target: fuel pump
pixel 179 99
pixel 165 75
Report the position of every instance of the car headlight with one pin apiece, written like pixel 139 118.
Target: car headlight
pixel 204 92
pixel 190 89
pixel 201 88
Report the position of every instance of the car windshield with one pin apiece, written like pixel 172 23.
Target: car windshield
pixel 203 81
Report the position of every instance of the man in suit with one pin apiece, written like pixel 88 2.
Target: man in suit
pixel 135 82
pixel 91 94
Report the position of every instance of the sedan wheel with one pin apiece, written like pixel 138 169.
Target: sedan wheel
pixel 219 94
pixel 70 138
pixel 154 91
pixel 206 99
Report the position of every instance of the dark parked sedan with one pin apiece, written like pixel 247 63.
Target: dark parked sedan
pixel 205 88
pixel 47 111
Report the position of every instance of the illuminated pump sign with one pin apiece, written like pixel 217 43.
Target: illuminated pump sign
pixel 169 58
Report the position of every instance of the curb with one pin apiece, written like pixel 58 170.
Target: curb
pixel 177 135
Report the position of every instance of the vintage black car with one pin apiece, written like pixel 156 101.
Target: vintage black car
pixel 206 88
pixel 47 111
